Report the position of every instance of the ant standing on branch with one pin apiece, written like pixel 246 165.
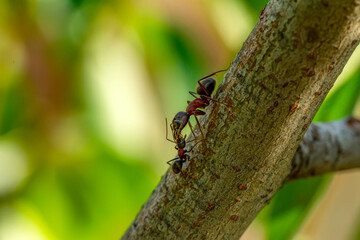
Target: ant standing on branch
pixel 205 88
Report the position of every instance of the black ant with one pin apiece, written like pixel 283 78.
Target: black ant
pixel 182 157
pixel 205 88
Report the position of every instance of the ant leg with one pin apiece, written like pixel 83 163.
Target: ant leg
pixel 199 113
pixel 192 131
pixel 193 147
pixel 168 162
pixel 167 132
pixel 187 158
pixel 203 88
pixel 217 101
pixel 178 134
pixel 193 94
pixel 210 75
pixel 191 140
pixel 198 123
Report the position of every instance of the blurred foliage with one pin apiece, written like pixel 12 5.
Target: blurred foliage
pixel 342 102
pixel 288 209
pixel 357 233
pixel 84 89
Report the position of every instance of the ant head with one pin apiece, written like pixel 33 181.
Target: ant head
pixel 208 84
pixel 177 166
pixel 181 143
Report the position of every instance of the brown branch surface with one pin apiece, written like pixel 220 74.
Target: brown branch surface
pixel 328 147
pixel 274 87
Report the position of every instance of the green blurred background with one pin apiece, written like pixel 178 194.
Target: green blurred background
pixel 84 90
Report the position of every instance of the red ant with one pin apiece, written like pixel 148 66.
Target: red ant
pixel 205 88
pixel 182 157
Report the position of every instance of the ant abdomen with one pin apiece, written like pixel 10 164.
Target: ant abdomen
pixel 208 84
pixel 177 166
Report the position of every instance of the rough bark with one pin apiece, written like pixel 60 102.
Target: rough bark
pixel 274 88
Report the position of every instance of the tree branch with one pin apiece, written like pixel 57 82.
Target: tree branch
pixel 274 87
pixel 327 147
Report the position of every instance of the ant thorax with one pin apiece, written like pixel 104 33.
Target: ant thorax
pixel 181 152
pixel 196 103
